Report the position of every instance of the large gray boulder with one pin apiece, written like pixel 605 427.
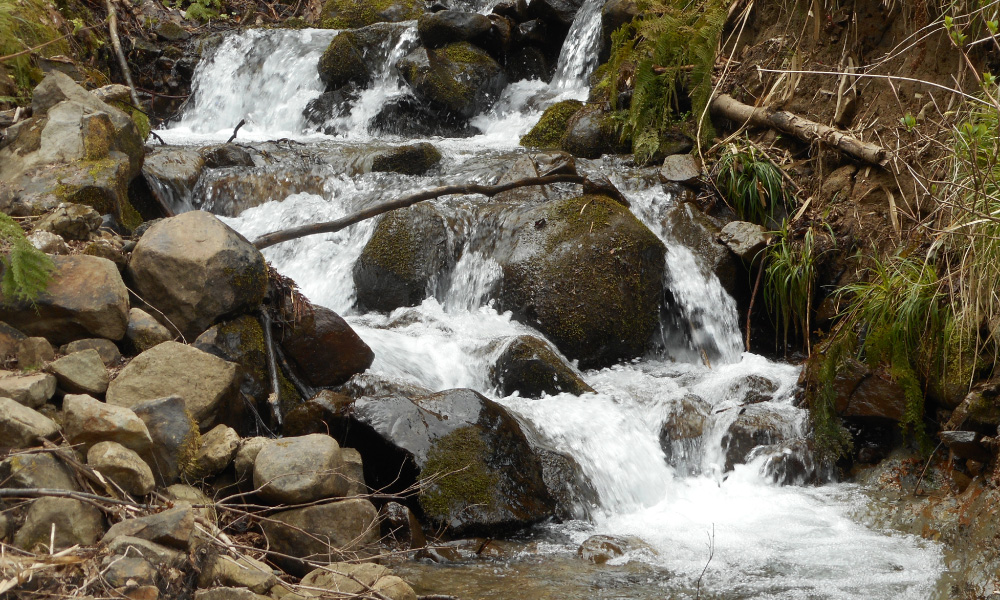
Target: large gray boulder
pixel 300 469
pixel 586 273
pixel 85 298
pixel 196 269
pixel 484 475
pixel 355 55
pixel 21 426
pixel 206 383
pixel 87 421
pixel 459 79
pixel 591 133
pixel 31 390
pixel 326 350
pixel 531 368
pixel 74 148
pixel 444 27
pixel 73 522
pixel 321 533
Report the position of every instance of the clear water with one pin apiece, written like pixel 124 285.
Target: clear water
pixel 769 541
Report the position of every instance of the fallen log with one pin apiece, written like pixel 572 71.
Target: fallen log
pixel 728 107
pixel 270 239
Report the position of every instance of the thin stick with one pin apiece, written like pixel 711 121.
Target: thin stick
pixel 117 44
pixel 270 239
pixel 272 364
pixel 711 553
pixel 916 488
pixel 238 125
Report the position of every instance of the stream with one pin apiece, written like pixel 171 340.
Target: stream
pixel 704 532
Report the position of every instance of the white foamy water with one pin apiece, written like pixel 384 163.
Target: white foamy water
pixel 771 541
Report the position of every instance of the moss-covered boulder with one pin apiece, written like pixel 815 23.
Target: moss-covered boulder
pixel 401 263
pixel 351 14
pixel 412 159
pixel 481 474
pixel 586 273
pixel 529 367
pixel 550 128
pixel 591 132
pixel 444 27
pixel 75 148
pixel 459 79
pixel 354 55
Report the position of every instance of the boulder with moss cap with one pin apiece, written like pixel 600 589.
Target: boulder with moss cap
pixel 351 14
pixel 459 79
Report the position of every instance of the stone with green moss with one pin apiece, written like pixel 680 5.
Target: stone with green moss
pixel 548 132
pixel 592 132
pixel 529 367
pixel 459 79
pixel 586 273
pixel 412 159
pixel 350 14
pixel 403 259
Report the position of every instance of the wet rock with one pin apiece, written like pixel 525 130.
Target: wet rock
pixel 298 470
pixel 404 259
pixel 218 447
pixel 681 168
pixel 144 331
pixel 85 298
pixel 459 79
pixel 966 444
pixel 34 352
pixel 788 463
pixel 48 242
pixel 121 570
pixel 87 421
pixel 242 571
pixel 599 549
pixel 751 389
pixel 174 172
pixel 700 233
pixel 351 14
pixel 175 436
pixel 523 167
pixel 561 12
pixel 406 116
pixel 414 159
pixel 863 394
pixel 322 532
pixel 73 521
pixel 551 126
pixel 590 133
pixel 172 527
pixel 207 384
pixel 354 55
pixel 680 435
pixel 591 252
pixel 176 256
pixel 614 14
pixel 21 427
pixel 348 579
pixel 23 471
pixel 323 346
pixel 106 349
pixel 30 390
pixel 490 478
pixel 756 425
pixel 241 341
pixel 71 221
pixel 529 367
pixel 529 62
pixel 157 554
pixel 745 240
pixel 330 105
pixel 400 527
pixel 227 155
pixel 123 466
pixel 444 27
pixel 80 373
pixel 75 149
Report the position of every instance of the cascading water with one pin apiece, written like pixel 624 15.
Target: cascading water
pixel 769 541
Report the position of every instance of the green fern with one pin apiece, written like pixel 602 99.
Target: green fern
pixel 665 53
pixel 26 270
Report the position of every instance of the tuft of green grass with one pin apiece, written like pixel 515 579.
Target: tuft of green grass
pixel 789 278
pixel 751 184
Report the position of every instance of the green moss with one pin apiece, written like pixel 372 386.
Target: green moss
pixel 25 24
pixel 551 126
pixel 414 159
pixel 351 14
pixel 392 246
pixel 187 452
pixel 463 479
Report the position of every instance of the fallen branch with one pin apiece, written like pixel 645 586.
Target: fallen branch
pixel 728 107
pixel 270 239
pixel 274 399
pixel 117 44
pixel 235 131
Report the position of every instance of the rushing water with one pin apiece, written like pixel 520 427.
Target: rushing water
pixel 758 539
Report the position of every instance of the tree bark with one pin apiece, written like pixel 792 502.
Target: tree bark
pixel 116 43
pixel 726 106
pixel 292 233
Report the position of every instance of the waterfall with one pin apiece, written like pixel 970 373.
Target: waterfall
pixel 771 540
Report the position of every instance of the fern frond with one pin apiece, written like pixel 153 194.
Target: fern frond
pixel 26 270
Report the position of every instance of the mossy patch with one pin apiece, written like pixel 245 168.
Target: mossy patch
pixel 414 159
pixel 548 132
pixel 351 14
pixel 26 24
pixel 463 479
pixel 392 246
